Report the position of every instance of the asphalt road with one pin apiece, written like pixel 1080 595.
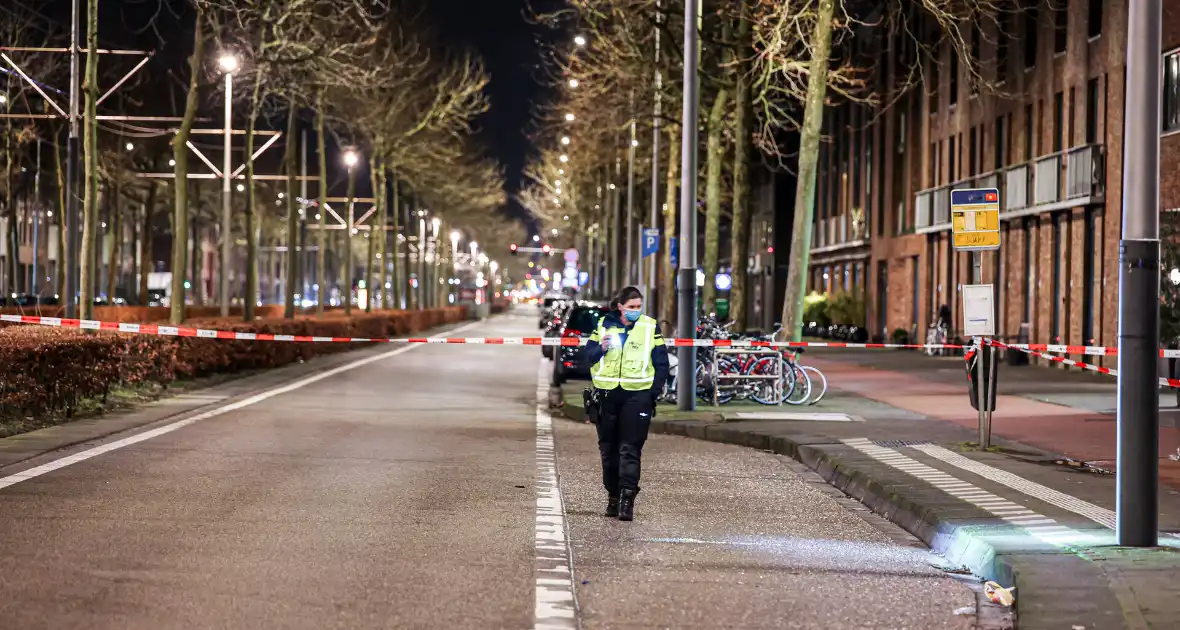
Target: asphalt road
pixel 412 492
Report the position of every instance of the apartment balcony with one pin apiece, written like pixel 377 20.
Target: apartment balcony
pixel 1067 179
pixel 838 233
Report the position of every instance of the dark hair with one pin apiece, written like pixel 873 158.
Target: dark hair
pixel 625 295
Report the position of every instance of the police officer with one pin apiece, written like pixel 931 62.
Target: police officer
pixel 628 359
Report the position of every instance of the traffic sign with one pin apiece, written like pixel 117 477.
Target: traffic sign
pixel 975 219
pixel 674 250
pixel 651 241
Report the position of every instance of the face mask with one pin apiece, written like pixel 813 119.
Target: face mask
pixel 632 316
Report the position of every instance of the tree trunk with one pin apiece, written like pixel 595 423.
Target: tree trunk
pixel 60 272
pixel 375 225
pixel 348 218
pixel 383 235
pixel 12 287
pixel 668 285
pixel 740 229
pixel 813 112
pixel 713 159
pixel 292 214
pixel 180 155
pixel 90 158
pixel 145 243
pixel 250 298
pixel 116 235
pixel 396 247
pixel 321 254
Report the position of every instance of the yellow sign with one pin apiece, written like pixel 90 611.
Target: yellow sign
pixel 975 219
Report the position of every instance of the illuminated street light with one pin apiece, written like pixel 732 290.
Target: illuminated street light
pixel 580 41
pixel 130 147
pixel 557 182
pixel 536 238
pixel 228 63
pixel 241 187
pixel 561 171
pixel 612 186
pixel 564 158
pixel 565 139
pixel 634 143
pixel 3 99
pixel 569 117
pixel 555 231
pixel 171 162
pixel 351 158
pixel 573 83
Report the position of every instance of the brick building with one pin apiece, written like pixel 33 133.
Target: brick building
pixel 1048 136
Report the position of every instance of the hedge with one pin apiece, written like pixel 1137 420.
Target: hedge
pixel 49 370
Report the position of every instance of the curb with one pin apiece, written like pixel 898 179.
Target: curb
pixel 958 543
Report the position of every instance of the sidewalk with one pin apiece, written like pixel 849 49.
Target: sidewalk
pixel 900 442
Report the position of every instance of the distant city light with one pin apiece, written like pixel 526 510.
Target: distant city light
pixel 579 40
pixel 573 83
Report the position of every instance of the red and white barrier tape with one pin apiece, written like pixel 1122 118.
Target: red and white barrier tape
pixel 1170 382
pixel 1090 351
pixel 204 333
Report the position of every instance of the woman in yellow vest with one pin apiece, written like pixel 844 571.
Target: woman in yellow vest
pixel 628 359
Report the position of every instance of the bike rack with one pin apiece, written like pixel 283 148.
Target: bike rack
pixel 777 376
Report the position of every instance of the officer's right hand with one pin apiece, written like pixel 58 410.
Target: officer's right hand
pixel 609 341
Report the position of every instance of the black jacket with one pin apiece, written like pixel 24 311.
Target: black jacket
pixel 659 354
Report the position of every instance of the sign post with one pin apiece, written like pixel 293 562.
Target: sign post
pixel 975 227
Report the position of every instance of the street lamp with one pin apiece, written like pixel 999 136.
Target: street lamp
pixel 555 231
pixel 350 158
pixel 565 140
pixel 564 158
pixel 579 40
pixel 228 64
pixel 130 147
pixel 569 117
pixel 455 236
pixel 573 83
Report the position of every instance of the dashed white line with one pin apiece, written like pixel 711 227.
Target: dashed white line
pixel 179 424
pixel 556 607
pixel 1037 525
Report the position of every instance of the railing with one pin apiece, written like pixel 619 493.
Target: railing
pixel 1016 180
pixel 1078 173
pixel 1084 169
pixel 1047 180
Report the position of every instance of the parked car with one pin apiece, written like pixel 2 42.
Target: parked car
pixel 547 306
pixel 580 322
pixel 553 326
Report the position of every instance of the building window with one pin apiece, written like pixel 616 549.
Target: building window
pixel 1058 119
pixel 1061 26
pixel 954 93
pixel 999 143
pixel 1092 111
pixel 1003 37
pixel 950 154
pixel 1094 19
pixel 1029 132
pixel 1031 17
pixel 1171 104
pixel 971 156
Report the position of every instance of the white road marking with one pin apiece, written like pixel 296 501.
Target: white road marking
pixel 556 606
pixel 1096 513
pixel 1037 525
pixel 89 453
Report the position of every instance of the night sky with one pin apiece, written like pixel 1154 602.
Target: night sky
pixel 501 32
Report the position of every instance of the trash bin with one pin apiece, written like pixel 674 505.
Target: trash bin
pixel 1016 357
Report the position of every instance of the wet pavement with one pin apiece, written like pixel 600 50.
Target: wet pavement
pixel 409 492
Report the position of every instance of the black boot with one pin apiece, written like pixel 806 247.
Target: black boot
pixel 612 506
pixel 627 505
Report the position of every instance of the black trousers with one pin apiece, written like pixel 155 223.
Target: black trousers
pixel 622 430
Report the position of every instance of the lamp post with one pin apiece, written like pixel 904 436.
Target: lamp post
pixel 350 160
pixel 435 266
pixel 228 64
pixel 420 300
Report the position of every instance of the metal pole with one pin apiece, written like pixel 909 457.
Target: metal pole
pixel 419 299
pixel 226 218
pixel 985 433
pixel 628 273
pixel 71 220
pixel 1137 498
pixel 654 218
pixel 304 261
pixel 687 272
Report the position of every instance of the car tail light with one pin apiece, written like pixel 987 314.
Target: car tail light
pixel 568 363
pixel 570 333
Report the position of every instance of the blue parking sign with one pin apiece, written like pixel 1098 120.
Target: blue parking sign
pixel 675 251
pixel 651 241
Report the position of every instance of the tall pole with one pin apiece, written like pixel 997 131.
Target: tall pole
pixel 72 219
pixel 226 218
pixel 304 261
pixel 420 300
pixel 36 224
pixel 687 268
pixel 1137 469
pixel 628 271
pixel 615 232
pixel 654 218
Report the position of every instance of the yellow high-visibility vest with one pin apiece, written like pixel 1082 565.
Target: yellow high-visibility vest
pixel 630 366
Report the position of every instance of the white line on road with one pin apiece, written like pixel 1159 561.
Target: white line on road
pixel 179 424
pixel 1038 525
pixel 556 607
